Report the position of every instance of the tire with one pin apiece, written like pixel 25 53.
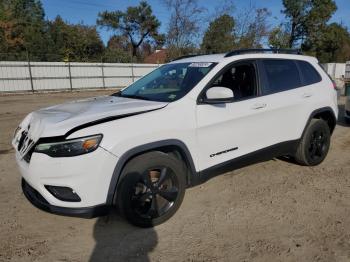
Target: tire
pixel 314 144
pixel 151 189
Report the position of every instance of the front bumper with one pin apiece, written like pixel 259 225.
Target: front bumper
pixel 39 201
pixel 89 176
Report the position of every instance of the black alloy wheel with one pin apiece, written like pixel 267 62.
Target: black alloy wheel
pixel 314 144
pixel 155 192
pixel 151 188
pixel 317 144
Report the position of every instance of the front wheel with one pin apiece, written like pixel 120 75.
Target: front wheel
pixel 151 189
pixel 314 144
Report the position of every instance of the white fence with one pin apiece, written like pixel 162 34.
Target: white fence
pixel 40 76
pixel 337 73
pixel 335 70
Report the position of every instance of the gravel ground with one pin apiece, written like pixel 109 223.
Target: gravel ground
pixel 271 211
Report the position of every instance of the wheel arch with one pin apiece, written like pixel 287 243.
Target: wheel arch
pixel 166 146
pixel 325 113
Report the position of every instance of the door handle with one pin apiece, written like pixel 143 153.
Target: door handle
pixel 259 106
pixel 306 95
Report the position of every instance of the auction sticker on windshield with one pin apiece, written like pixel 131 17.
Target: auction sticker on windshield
pixel 200 64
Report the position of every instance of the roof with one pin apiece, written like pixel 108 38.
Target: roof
pixel 201 58
pixel 216 58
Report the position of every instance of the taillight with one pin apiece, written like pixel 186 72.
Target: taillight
pixel 334 85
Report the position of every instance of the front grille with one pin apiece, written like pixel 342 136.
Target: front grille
pixel 24 144
pixel 21 140
pixel 28 156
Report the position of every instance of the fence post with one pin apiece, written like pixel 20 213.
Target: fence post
pixel 70 76
pixel 30 73
pixel 103 74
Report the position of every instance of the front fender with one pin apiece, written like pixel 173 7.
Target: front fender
pixel 124 158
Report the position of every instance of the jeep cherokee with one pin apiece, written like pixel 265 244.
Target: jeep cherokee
pixel 185 122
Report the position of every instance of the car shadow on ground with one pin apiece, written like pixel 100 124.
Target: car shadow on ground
pixel 341 119
pixel 116 240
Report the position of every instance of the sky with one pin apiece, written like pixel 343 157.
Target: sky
pixel 86 11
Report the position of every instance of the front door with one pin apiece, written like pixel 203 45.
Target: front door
pixel 229 130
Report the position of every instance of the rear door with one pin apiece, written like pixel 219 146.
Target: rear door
pixel 286 95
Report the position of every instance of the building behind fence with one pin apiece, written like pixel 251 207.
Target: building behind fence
pixel 42 76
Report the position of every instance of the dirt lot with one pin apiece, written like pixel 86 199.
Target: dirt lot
pixel 272 211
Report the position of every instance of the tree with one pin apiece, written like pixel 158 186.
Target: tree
pixel 332 45
pixel 74 42
pixel 252 27
pixel 279 38
pixel 23 27
pixel 223 7
pixel 306 18
pixel 219 36
pixel 183 27
pixel 118 50
pixel 138 24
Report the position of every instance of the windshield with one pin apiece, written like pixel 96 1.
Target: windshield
pixel 167 83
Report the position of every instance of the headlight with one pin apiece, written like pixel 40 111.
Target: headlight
pixel 73 147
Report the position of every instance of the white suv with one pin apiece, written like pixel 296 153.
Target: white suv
pixel 183 123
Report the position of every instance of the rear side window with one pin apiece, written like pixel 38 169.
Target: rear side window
pixel 282 75
pixel 310 75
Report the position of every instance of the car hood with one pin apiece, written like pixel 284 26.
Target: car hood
pixel 59 119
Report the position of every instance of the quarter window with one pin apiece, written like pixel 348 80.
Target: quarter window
pixel 282 75
pixel 310 75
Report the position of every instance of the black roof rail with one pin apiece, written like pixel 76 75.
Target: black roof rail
pixel 262 50
pixel 185 56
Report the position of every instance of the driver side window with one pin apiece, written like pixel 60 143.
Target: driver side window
pixel 240 78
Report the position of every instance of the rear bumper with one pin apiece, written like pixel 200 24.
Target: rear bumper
pixel 39 201
pixel 347 114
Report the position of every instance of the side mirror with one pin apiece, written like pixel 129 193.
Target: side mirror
pixel 218 95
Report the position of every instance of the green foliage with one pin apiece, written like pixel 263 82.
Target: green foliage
pixel 118 50
pixel 75 42
pixel 307 27
pixel 306 18
pixel 219 36
pixel 138 24
pixel 22 27
pixel 279 38
pixel 332 45
pixel 247 30
pixel 24 30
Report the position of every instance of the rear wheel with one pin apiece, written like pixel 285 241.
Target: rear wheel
pixel 151 189
pixel 314 145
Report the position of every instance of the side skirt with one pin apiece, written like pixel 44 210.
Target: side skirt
pixel 265 154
